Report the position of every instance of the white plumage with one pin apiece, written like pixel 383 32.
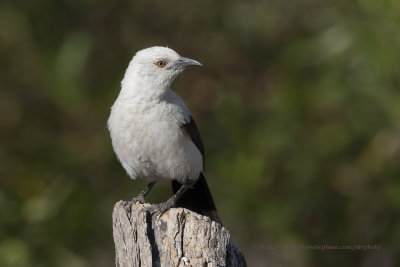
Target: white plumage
pixel 145 120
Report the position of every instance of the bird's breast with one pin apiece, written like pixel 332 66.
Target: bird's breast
pixel 149 142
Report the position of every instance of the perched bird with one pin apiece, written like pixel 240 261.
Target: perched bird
pixel 154 135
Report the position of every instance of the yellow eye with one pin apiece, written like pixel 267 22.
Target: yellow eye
pixel 161 63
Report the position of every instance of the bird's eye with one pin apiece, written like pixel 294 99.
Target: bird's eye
pixel 161 63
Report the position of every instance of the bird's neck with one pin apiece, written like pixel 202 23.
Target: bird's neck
pixel 144 87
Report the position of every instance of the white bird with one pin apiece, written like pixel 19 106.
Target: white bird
pixel 154 135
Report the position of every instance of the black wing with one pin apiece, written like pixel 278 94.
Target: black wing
pixel 190 129
pixel 198 198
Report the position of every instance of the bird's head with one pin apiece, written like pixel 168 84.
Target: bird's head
pixel 155 68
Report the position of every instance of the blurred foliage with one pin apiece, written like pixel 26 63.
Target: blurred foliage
pixel 298 106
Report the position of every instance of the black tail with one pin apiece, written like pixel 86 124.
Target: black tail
pixel 197 199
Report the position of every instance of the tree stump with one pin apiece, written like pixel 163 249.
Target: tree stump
pixel 179 237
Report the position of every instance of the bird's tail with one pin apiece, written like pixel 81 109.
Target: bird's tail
pixel 198 198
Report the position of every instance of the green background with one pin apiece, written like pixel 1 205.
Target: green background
pixel 298 107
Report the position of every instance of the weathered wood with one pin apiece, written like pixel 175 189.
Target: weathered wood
pixel 178 238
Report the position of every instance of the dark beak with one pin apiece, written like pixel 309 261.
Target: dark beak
pixel 184 62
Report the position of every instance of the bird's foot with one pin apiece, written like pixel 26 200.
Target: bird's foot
pixel 143 194
pixel 159 209
pixel 139 199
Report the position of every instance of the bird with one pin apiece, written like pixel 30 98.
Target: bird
pixel 154 135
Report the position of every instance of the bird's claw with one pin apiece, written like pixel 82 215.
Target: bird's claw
pixel 139 199
pixel 156 210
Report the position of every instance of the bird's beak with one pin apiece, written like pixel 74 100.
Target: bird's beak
pixel 184 62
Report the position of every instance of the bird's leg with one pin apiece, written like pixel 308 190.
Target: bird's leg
pixel 163 207
pixel 143 194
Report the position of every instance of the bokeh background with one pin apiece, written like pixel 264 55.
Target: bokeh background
pixel 298 107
